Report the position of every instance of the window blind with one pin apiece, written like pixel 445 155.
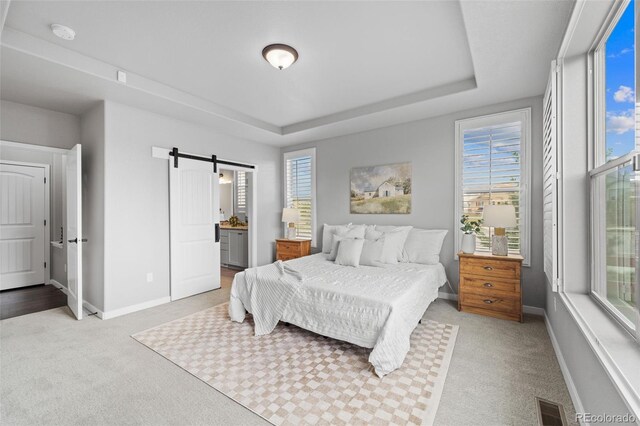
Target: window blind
pixel 550 181
pixel 241 192
pixel 492 174
pixel 298 192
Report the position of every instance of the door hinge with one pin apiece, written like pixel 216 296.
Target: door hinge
pixel 45 180
pixel 45 222
pixel 45 264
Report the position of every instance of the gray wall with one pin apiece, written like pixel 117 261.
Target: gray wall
pixel 137 198
pixel 38 126
pixel 93 175
pixel 430 146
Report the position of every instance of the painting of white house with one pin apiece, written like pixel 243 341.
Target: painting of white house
pixel 382 189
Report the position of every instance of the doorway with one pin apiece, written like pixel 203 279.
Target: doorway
pixel 34 255
pixel 235 205
pixel 209 242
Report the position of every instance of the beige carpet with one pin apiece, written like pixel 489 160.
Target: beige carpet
pixel 293 376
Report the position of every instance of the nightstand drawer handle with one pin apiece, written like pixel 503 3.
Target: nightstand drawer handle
pixel 488 301
pixel 488 268
pixel 488 285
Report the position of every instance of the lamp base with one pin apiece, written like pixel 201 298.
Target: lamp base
pixel 291 232
pixel 499 245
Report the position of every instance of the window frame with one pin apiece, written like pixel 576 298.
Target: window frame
pixel 600 166
pixel 308 152
pixel 523 115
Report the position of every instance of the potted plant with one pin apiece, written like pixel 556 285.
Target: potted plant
pixel 471 228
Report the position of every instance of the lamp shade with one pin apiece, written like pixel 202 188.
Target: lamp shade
pixel 500 216
pixel 290 215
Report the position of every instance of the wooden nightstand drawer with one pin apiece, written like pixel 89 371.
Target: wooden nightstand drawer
pixel 506 304
pixel 292 249
pixel 285 257
pixel 490 268
pixel 488 285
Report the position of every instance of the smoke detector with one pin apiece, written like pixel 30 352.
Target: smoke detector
pixel 63 32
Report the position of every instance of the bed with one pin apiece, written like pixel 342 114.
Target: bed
pixel 372 307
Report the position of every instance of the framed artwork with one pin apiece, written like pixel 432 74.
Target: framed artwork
pixel 384 189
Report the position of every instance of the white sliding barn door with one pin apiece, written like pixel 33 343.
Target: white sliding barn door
pixel 194 199
pixel 22 228
pixel 550 176
pixel 74 230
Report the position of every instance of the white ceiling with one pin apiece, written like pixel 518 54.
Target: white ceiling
pixel 362 64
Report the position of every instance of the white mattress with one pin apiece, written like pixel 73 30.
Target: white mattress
pixel 372 307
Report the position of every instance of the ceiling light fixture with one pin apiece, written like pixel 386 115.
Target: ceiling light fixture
pixel 280 56
pixel 63 32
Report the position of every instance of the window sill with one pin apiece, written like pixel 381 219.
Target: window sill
pixel 616 349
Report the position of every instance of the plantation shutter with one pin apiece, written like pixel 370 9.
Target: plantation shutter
pixel 241 193
pixel 492 174
pixel 299 193
pixel 550 180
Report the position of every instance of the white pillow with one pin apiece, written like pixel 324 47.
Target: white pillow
pixel 394 244
pixel 327 235
pixel 349 251
pixel 335 243
pixel 340 234
pixel 372 252
pixel 371 234
pixel 384 228
pixel 423 246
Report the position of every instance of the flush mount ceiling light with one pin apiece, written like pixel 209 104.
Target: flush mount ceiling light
pixel 63 32
pixel 280 56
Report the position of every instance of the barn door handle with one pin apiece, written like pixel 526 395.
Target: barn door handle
pixel 75 240
pixel 217 232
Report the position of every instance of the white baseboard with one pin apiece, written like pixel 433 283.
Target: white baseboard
pixel 89 307
pixel 533 310
pixel 573 392
pixel 56 284
pixel 134 308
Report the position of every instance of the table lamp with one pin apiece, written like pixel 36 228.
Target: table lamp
pixel 499 217
pixel 291 216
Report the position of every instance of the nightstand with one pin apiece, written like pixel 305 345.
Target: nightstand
pixel 490 285
pixel 292 249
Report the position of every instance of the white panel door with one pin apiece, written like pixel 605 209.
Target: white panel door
pixel 194 199
pixel 74 230
pixel 22 229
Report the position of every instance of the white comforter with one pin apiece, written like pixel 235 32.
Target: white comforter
pixel 372 307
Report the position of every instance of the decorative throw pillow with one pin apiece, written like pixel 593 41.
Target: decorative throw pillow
pixel 335 243
pixel 394 244
pixel 349 251
pixel 327 235
pixel 423 246
pixel 372 252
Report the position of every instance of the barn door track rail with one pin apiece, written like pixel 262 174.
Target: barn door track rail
pixel 176 154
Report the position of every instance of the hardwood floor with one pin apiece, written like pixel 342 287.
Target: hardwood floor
pixel 27 300
pixel 226 276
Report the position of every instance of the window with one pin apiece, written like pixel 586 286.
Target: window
pixel 493 168
pixel 241 193
pixel 300 189
pixel 615 181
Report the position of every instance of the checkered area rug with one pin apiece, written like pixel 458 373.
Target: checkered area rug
pixel 293 376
